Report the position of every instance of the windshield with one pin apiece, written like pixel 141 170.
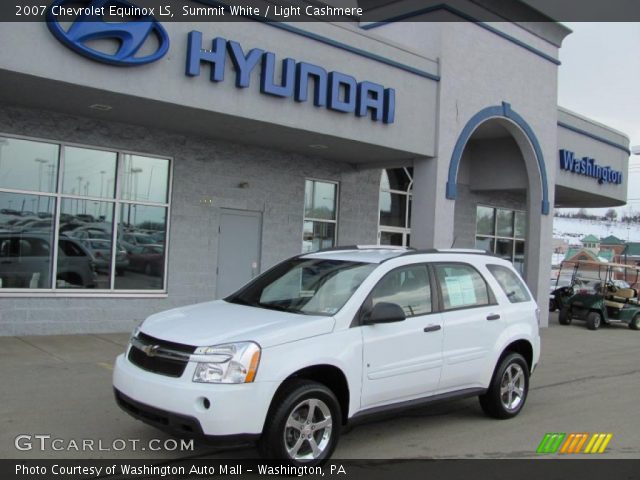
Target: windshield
pixel 307 286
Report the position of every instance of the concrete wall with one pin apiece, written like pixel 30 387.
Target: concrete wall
pixel 203 168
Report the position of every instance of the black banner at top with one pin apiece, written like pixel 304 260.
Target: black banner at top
pixel 367 13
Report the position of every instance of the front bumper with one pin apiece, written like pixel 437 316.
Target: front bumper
pixel 179 405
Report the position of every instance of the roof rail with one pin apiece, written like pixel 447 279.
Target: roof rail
pixel 472 251
pixel 361 247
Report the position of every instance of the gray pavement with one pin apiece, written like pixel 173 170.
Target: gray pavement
pixel 586 382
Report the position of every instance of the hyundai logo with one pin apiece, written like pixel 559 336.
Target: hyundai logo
pixel 89 26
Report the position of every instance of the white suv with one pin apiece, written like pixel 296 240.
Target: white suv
pixel 327 339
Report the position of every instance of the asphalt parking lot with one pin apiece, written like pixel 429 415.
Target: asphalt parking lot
pixel 586 382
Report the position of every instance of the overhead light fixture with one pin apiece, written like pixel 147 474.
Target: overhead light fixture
pixel 318 146
pixel 101 107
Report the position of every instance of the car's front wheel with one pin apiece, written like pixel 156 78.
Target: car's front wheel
pixel 508 389
pixel 303 426
pixel 594 320
pixel 634 324
pixel 564 317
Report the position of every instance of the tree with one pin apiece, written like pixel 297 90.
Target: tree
pixel 611 215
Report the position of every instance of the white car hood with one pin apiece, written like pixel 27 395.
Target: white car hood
pixel 217 322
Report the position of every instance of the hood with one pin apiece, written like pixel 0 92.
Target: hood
pixel 217 322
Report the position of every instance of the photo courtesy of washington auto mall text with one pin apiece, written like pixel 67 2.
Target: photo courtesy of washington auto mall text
pixel 359 239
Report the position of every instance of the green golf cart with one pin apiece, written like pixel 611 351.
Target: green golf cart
pixel 601 294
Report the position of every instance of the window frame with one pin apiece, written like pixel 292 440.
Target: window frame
pixel 435 299
pixel 408 194
pixel 495 237
pixel 491 297
pixel 520 281
pixel 320 220
pixel 115 201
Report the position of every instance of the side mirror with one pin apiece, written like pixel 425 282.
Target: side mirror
pixel 385 312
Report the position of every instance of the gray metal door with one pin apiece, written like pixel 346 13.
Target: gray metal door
pixel 238 249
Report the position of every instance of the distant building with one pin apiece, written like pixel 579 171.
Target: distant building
pixel 577 254
pixel 631 253
pixel 614 244
pixel 591 241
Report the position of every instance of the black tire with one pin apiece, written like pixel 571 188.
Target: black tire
pixel 634 324
pixel 501 404
pixel 552 305
pixel 564 317
pixel 594 320
pixel 289 402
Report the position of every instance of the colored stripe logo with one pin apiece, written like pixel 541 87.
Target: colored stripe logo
pixel 572 443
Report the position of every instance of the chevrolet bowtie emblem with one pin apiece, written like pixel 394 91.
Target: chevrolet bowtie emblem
pixel 151 350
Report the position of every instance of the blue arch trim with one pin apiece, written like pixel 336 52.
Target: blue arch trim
pixel 498 111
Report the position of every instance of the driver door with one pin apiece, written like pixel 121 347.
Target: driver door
pixel 402 360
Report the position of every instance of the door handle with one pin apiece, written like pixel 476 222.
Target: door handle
pixel 431 328
pixel 493 316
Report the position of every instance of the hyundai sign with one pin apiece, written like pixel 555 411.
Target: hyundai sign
pixel 333 90
pixel 90 25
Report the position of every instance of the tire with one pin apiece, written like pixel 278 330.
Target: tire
pixel 594 320
pixel 509 388
pixel 634 324
pixel 552 305
pixel 564 317
pixel 281 436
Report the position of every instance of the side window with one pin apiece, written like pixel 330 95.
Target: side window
pixel 408 287
pixel 70 249
pixel 462 286
pixel 510 283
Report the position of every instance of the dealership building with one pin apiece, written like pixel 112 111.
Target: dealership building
pixel 174 174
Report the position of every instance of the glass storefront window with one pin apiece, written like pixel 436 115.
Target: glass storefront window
pixel 395 206
pixel 81 215
pixel 144 179
pixel 28 165
pixel 318 235
pixel 502 231
pixel 504 223
pixel 320 215
pixel 89 173
pixel 320 200
pixel 138 231
pixel 485 221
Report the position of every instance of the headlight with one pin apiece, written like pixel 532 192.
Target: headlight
pixel 229 363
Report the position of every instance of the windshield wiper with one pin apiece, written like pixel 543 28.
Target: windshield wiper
pixel 280 308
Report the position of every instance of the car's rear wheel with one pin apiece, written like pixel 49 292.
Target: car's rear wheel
pixel 304 425
pixel 509 387
pixel 564 317
pixel 594 320
pixel 634 324
pixel 552 305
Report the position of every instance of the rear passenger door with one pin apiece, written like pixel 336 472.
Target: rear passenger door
pixel 471 325
pixel 402 360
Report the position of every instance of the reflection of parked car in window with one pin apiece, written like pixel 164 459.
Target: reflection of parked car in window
pixel 25 262
pixel 131 240
pixel 148 259
pixel 100 251
pixel 89 233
